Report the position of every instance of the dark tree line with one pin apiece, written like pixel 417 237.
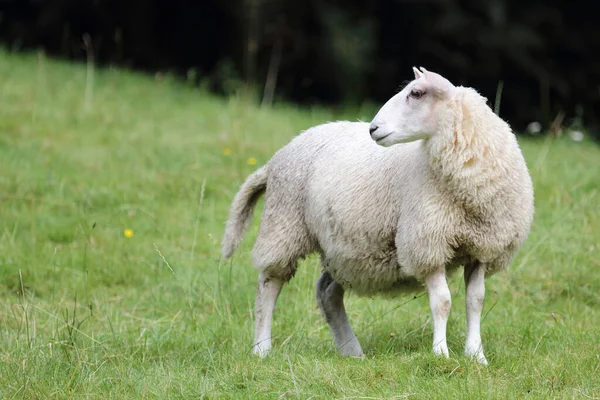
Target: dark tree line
pixel 546 52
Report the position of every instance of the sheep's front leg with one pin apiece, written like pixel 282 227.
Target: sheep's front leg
pixel 475 293
pixel 439 301
pixel 266 297
pixel 330 296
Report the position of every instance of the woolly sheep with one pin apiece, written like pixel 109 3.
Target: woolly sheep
pixel 388 217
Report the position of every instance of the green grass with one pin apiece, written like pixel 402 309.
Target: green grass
pixel 87 312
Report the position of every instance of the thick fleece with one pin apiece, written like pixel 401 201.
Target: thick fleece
pixel 384 217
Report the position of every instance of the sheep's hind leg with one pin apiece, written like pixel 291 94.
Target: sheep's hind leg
pixel 440 302
pixel 330 296
pixel 475 293
pixel 266 297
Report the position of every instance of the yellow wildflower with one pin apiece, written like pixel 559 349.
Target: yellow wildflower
pixel 128 233
pixel 226 151
pixel 252 161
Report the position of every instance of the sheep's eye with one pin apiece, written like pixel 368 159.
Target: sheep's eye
pixel 416 93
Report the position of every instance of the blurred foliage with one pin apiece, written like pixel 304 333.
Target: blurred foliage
pixel 545 52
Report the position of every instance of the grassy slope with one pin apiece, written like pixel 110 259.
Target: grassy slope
pixel 97 314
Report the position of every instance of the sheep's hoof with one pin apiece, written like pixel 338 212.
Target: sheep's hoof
pixel 475 351
pixel 261 349
pixel 441 349
pixel 352 349
pixel 478 356
pixel 353 354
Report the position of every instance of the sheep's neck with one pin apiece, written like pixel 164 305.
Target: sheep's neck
pixel 469 170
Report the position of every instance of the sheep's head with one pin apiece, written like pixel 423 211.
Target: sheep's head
pixel 416 112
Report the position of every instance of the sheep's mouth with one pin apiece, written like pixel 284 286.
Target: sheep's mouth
pixel 381 139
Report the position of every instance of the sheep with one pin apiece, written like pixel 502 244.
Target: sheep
pixel 435 182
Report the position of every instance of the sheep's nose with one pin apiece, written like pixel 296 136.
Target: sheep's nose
pixel 373 128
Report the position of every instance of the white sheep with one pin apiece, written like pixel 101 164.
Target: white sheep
pixel 388 219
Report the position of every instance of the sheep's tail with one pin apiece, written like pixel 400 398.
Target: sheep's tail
pixel 241 211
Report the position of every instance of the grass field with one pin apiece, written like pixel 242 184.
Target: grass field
pixel 90 310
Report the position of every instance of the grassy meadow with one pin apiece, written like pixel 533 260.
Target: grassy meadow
pixel 113 195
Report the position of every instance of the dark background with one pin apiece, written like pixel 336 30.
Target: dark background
pixel 546 53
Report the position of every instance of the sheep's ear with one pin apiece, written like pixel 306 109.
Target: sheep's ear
pixel 465 126
pixel 418 73
pixel 440 84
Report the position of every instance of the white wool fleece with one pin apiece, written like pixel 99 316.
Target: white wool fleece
pixel 380 216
